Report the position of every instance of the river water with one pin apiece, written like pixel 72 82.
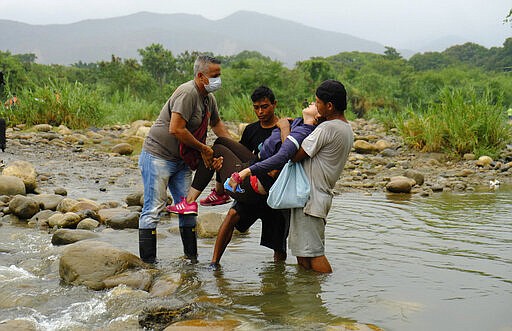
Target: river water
pixel 401 262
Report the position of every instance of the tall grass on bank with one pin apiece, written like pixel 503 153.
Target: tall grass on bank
pixel 462 121
pixel 122 107
pixel 239 110
pixel 57 102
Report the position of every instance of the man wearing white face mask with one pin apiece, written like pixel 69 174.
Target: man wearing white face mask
pixel 173 148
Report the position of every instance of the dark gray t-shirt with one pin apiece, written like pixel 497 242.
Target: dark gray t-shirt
pixel 190 104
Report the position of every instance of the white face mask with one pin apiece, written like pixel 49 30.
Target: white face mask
pixel 214 84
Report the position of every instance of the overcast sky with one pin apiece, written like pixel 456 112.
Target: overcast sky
pixel 396 23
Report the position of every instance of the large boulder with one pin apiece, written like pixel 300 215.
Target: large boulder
pixel 24 170
pixel 12 185
pixel 91 262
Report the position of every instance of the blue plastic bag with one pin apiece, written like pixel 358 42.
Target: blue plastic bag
pixel 229 188
pixel 291 189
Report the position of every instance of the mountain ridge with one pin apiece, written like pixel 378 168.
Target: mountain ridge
pixel 95 40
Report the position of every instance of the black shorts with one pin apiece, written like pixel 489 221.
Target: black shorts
pixel 275 225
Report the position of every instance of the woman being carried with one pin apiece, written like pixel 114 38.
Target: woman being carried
pixel 252 176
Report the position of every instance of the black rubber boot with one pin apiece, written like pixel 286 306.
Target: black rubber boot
pixel 189 239
pixel 147 245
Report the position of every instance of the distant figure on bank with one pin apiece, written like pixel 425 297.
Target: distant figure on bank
pixel 11 102
pixel 3 140
pixel 173 148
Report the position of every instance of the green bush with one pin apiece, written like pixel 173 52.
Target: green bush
pixel 56 103
pixel 463 121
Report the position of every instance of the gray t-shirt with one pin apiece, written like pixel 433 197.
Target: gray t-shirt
pixel 328 147
pixel 190 104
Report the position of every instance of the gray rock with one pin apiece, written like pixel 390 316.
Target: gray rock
pixel 388 152
pixel 134 199
pixel 24 170
pixel 11 185
pixel 41 218
pixel 66 204
pixel 136 279
pixel 42 127
pixel 90 262
pixel 17 325
pixel 67 236
pixel 67 220
pixel 166 285
pixel 364 147
pixel 208 224
pixel 88 224
pixel 124 221
pixel 400 184
pixel 48 201
pixel 106 214
pixel 87 213
pixel 85 204
pixel 61 191
pixel 123 149
pixel 418 177
pixel 23 207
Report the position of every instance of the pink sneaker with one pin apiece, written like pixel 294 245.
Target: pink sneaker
pixel 183 208
pixel 214 199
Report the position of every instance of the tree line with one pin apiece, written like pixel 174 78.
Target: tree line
pixel 386 86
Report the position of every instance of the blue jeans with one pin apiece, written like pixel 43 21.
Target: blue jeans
pixel 158 175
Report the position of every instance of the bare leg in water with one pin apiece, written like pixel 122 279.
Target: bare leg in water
pixel 224 237
pixel 318 263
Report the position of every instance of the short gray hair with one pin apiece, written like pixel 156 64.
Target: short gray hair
pixel 202 62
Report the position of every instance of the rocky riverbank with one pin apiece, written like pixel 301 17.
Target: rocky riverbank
pixel 102 163
pixel 107 158
pixel 80 185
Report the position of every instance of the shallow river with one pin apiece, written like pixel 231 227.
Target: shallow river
pixel 436 263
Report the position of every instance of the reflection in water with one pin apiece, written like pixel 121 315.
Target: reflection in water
pixel 401 262
pixel 444 260
pixel 285 296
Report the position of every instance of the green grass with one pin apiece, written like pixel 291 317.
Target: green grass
pixel 463 121
pixel 56 103
pixel 123 107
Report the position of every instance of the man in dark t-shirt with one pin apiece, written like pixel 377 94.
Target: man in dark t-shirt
pixel 243 215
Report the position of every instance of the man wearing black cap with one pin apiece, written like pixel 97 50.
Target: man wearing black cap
pixel 324 153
